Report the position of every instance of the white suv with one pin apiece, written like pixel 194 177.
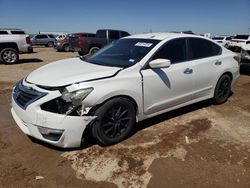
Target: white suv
pixel 127 81
pixel 12 43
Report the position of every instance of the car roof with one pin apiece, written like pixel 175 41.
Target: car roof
pixel 162 36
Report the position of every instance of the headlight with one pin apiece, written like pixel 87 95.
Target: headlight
pixel 75 98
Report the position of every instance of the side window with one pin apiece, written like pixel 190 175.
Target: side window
pixel 202 48
pixel 52 36
pixel 41 36
pixel 174 50
pixel 114 35
pixel 228 38
pixel 17 32
pixel 3 33
pixel 124 34
pixel 101 34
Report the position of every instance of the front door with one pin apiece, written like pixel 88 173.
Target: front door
pixel 164 88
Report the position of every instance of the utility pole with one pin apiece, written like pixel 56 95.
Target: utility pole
pixel 249 30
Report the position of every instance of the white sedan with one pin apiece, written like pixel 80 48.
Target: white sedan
pixel 129 80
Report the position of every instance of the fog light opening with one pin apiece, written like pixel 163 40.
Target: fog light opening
pixel 51 134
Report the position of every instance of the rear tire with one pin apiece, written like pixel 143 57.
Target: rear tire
pixel 66 48
pixel 81 53
pixel 93 50
pixel 223 89
pixel 9 56
pixel 114 121
pixel 50 44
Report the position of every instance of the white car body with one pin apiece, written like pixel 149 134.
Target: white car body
pixel 61 37
pixel 245 52
pixel 238 42
pixel 18 39
pixel 155 91
pixel 222 40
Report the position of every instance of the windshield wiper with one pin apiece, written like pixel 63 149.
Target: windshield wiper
pixel 84 58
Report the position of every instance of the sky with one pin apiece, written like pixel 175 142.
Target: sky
pixel 135 16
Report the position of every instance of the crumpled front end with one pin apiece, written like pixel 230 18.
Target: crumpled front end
pixel 34 116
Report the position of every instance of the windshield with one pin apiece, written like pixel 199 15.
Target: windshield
pixel 123 52
pixel 218 38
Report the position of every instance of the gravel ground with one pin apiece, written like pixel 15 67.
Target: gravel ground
pixel 202 145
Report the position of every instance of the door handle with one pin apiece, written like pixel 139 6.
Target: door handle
pixel 218 63
pixel 188 71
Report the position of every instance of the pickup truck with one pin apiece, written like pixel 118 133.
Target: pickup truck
pixel 12 43
pixel 90 45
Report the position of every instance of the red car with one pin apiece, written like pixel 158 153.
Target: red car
pixel 63 45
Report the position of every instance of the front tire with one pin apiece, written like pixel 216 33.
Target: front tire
pixel 222 89
pixel 9 56
pixel 114 122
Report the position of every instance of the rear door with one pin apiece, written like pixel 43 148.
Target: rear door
pixel 207 64
pixel 164 88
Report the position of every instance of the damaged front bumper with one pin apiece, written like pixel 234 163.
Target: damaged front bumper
pixel 57 129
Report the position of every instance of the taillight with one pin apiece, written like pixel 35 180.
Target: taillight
pixel 237 58
pixel 80 42
pixel 28 41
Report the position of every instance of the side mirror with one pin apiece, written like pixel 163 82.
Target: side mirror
pixel 160 63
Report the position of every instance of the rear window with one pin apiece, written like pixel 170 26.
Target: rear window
pixel 3 33
pixel 124 34
pixel 243 37
pixel 114 35
pixel 17 32
pixel 202 48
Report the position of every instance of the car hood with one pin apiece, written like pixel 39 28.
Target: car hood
pixel 69 71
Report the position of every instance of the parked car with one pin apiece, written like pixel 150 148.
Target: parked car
pixel 223 40
pixel 238 41
pixel 127 81
pixel 245 58
pixel 43 39
pixel 63 45
pixel 86 45
pixel 12 43
pixel 61 37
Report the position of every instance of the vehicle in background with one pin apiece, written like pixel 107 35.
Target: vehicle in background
pixel 223 40
pixel 90 45
pixel 138 77
pixel 245 57
pixel 238 41
pixel 61 37
pixel 43 39
pixel 12 43
pixel 63 45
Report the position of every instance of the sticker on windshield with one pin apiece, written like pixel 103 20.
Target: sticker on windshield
pixel 131 60
pixel 143 44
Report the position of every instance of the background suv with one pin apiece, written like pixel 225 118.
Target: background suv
pixel 43 39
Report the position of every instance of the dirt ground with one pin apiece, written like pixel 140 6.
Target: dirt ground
pixel 202 145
